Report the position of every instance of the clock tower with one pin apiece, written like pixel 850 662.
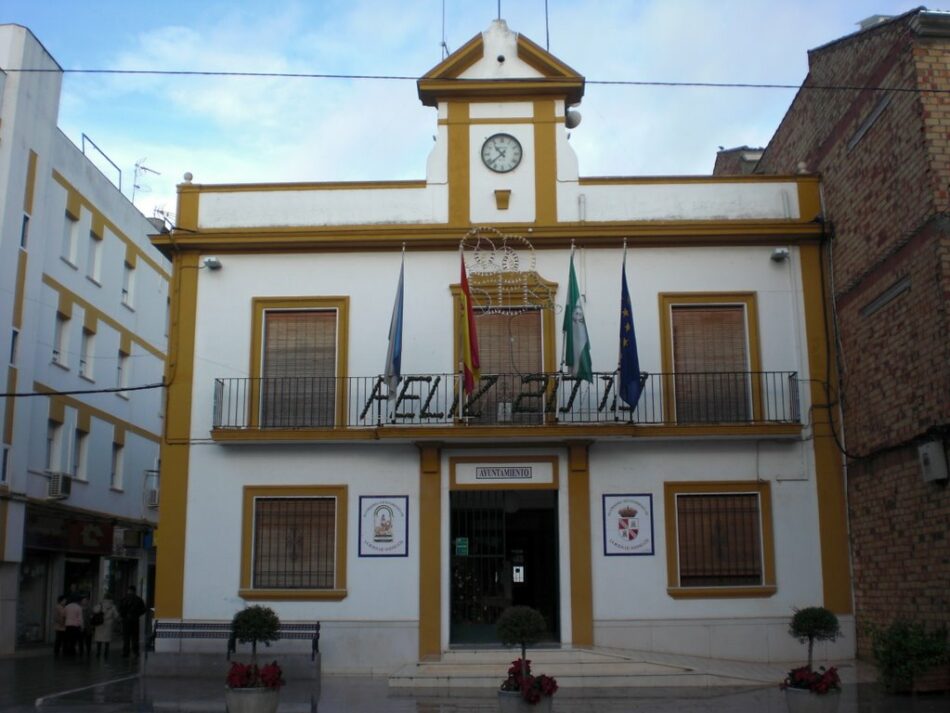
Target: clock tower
pixel 502 144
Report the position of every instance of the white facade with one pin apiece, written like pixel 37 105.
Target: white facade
pixel 689 241
pixel 82 309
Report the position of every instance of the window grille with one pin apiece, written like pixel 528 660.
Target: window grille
pixel 294 543
pixel 719 539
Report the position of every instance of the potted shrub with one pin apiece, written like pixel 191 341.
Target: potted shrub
pixel 522 626
pixel 253 688
pixel 909 657
pixel 806 689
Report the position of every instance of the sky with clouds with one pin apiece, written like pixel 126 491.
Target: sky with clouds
pixel 235 130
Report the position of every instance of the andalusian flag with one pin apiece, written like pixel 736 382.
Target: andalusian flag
pixel 470 363
pixel 576 343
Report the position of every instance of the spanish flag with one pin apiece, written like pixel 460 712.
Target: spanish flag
pixel 470 364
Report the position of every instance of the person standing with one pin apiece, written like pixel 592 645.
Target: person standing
pixel 103 619
pixel 131 608
pixel 59 626
pixel 73 627
pixel 85 642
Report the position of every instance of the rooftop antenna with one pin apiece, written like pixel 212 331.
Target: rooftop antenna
pixel 141 168
pixel 445 47
pixel 499 9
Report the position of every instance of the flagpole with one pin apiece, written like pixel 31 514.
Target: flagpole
pixel 461 365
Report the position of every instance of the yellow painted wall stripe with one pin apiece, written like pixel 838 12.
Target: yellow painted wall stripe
pixel 19 296
pixel 430 552
pixel 30 183
pixel 545 162
pixel 8 408
pixel 99 219
pixel 829 475
pixel 458 165
pixel 175 452
pixel 62 400
pixel 582 600
pixel 68 298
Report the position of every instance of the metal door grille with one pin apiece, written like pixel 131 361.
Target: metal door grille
pixel 479 591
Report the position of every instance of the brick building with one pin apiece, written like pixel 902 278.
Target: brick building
pixel 883 155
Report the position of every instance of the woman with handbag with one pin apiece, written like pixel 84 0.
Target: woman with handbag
pixel 103 618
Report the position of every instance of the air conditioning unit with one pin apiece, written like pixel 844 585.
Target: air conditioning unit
pixel 151 497
pixel 60 486
pixel 123 537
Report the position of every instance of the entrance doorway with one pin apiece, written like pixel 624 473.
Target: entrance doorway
pixel 504 552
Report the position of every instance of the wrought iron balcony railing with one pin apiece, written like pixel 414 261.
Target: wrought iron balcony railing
pixel 504 399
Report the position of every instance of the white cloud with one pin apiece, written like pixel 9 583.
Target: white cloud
pixel 241 129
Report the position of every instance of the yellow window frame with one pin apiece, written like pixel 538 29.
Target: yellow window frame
pixel 252 492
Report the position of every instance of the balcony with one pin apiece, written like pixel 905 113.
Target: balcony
pixel 749 402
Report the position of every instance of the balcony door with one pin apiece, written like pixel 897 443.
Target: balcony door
pixel 503 552
pixel 509 348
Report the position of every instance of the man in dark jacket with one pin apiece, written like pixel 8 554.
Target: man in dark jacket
pixel 130 609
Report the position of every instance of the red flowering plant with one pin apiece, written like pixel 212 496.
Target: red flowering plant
pixel 808 626
pixel 820 681
pixel 249 675
pixel 520 625
pixel 532 688
pixel 254 625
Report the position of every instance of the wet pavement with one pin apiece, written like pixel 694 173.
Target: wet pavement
pixel 40 682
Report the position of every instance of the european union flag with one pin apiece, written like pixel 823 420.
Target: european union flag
pixel 629 387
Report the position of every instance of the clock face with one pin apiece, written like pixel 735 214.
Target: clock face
pixel 501 153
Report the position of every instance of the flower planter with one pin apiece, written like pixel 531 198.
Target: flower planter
pixel 512 702
pixel 252 700
pixel 800 700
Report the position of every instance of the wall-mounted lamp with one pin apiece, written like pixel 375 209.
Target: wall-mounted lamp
pixel 780 255
pixel 213 263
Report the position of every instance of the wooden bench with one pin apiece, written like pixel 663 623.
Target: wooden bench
pixel 170 629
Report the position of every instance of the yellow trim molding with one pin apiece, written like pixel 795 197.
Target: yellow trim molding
pixel 341 305
pixel 30 183
pixel 175 449
pixel 118 423
pixel 764 491
pixel 579 536
pixel 430 552
pixel 829 474
pixel 458 165
pixel 68 298
pixel 101 221
pixel 251 492
pixel 545 163
pixel 668 300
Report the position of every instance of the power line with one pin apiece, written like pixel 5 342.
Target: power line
pixel 401 77
pixel 24 394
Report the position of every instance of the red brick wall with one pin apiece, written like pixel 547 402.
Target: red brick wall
pixel 887 198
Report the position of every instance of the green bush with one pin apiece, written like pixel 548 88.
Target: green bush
pixel 905 649
pixel 520 626
pixel 255 625
pixel 813 624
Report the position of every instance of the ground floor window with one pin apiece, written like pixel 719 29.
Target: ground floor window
pixel 294 542
pixel 719 539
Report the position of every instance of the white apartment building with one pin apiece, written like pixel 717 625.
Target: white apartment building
pixel 83 305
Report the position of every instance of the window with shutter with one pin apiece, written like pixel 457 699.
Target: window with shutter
pixel 293 542
pixel 719 539
pixel 710 358
pixel 298 361
pixel 510 347
pixel 298 373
